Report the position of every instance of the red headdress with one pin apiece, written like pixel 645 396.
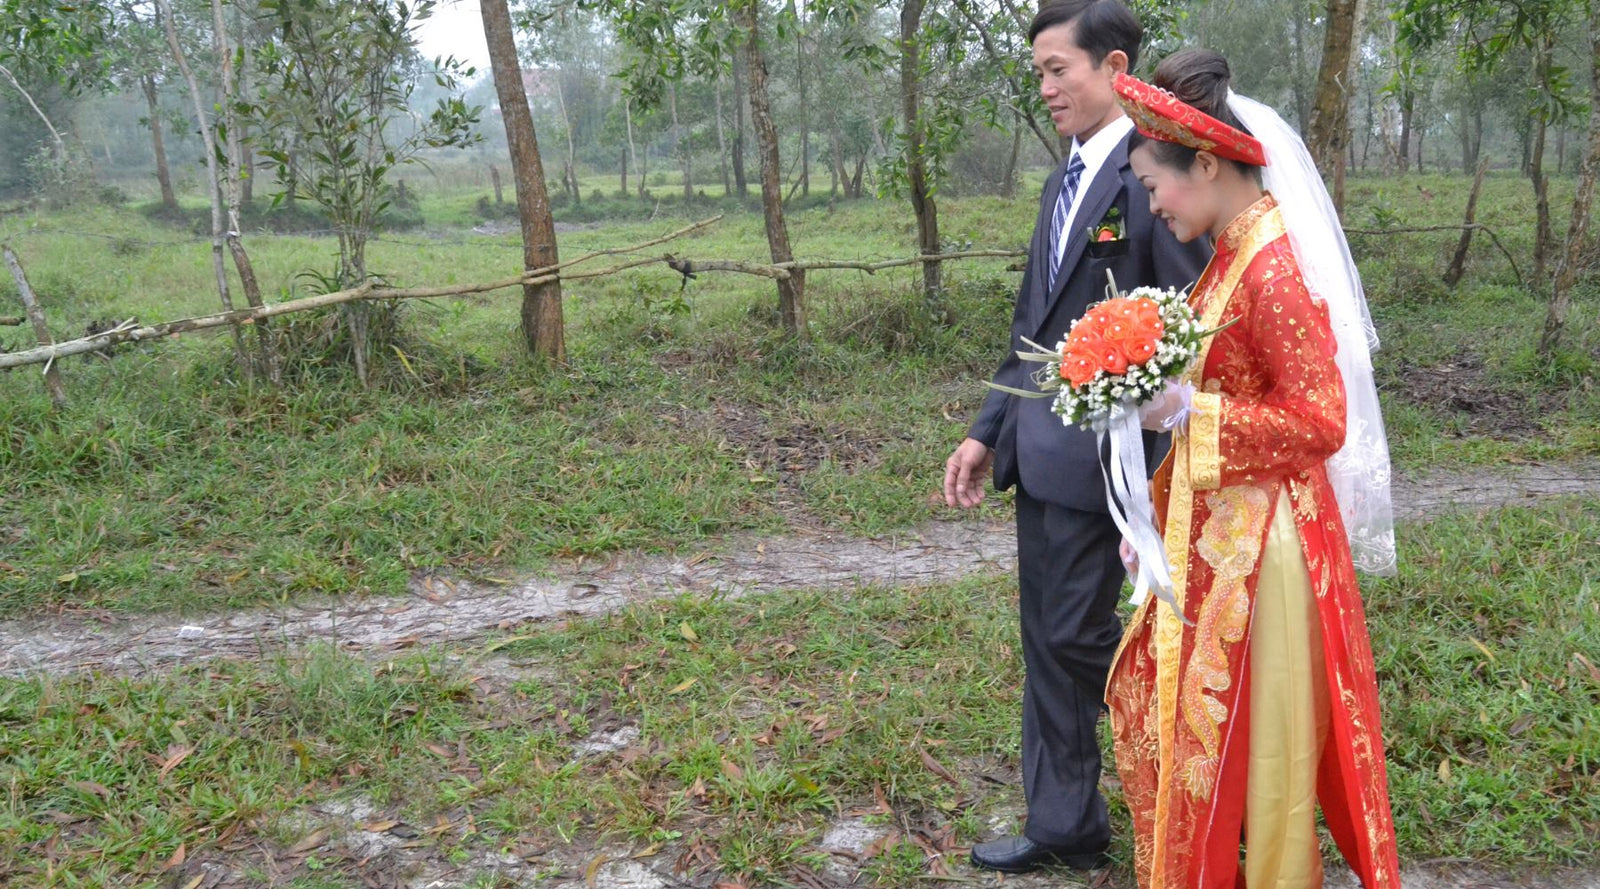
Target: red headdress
pixel 1160 115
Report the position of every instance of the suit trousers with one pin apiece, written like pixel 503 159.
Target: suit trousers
pixel 1069 576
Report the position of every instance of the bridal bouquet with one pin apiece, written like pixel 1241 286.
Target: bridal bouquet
pixel 1125 351
pixel 1119 355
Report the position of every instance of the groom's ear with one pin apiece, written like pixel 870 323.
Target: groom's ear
pixel 1116 62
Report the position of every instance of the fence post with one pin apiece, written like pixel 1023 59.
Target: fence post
pixel 52 376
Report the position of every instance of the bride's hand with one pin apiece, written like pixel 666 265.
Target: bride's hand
pixel 1130 557
pixel 1169 410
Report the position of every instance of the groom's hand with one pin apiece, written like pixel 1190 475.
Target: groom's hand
pixel 965 473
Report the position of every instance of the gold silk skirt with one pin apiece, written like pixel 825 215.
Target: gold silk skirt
pixel 1289 715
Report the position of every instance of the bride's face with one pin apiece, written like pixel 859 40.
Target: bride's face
pixel 1186 200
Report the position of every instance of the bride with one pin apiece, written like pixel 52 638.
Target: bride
pixel 1261 705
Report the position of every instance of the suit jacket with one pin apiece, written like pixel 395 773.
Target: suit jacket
pixel 1032 447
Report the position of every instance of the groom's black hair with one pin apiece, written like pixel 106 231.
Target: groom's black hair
pixel 1100 26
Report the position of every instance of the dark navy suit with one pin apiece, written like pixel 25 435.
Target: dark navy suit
pixel 1069 572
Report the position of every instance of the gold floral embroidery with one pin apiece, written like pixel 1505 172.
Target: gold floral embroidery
pixel 1230 542
pixel 1205 435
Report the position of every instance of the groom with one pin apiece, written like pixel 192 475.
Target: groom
pixel 1094 217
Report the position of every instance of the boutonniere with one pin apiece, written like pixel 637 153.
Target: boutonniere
pixel 1109 229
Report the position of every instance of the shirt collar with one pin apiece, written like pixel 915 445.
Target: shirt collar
pixel 1095 151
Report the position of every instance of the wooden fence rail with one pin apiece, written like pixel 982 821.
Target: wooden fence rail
pixel 131 331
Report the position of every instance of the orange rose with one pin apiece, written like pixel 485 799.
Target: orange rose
pixel 1112 360
pixel 1079 367
pixel 1140 352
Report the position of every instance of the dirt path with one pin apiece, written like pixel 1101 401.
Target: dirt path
pixel 438 610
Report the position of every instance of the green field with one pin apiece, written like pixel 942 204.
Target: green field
pixel 171 483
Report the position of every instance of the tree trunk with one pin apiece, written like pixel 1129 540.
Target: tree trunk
pixel 569 175
pixel 1541 184
pixel 1008 185
pixel 791 290
pixel 169 200
pixel 1408 107
pixel 624 189
pixel 1582 203
pixel 805 104
pixel 1458 263
pixel 1302 102
pixel 722 138
pixel 839 177
pixel 922 203
pixel 1329 132
pixel 542 325
pixel 1419 123
pixel 627 110
pixel 494 179
pixel 41 330
pixel 740 96
pixel 680 144
pixel 235 191
pixel 213 179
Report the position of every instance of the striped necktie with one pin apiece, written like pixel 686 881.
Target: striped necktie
pixel 1058 221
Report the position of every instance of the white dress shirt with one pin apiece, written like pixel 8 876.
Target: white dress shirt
pixel 1093 153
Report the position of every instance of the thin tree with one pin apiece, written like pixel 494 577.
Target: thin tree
pixel 916 146
pixel 219 265
pixel 543 328
pixel 1571 259
pixel 230 125
pixel 791 290
pixel 1328 135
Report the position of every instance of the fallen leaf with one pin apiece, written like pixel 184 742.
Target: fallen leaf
pixel 1483 648
pixel 175 755
pixel 1522 724
pixel 195 883
pixel 688 632
pixel 439 750
pixel 379 826
pixel 647 852
pixel 592 873
pixel 92 788
pixel 312 840
pixel 938 768
pixel 683 686
pixel 1444 770
pixel 732 770
pixel 1594 672
pixel 69 577
pixel 176 860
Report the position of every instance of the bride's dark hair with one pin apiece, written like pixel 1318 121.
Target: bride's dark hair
pixel 1200 78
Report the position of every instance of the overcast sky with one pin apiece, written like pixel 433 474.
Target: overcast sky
pixel 456 29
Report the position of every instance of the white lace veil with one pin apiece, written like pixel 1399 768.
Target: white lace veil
pixel 1360 470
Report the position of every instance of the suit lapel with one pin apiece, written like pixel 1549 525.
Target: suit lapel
pixel 1102 192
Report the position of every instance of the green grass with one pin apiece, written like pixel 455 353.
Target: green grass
pixel 171 484
pixel 761 719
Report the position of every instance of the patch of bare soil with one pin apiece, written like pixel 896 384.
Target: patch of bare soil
pixel 1465 387
pixel 442 610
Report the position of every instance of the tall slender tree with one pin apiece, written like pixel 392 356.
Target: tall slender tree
pixel 543 326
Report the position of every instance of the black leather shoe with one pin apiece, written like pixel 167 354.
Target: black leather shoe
pixel 1019 855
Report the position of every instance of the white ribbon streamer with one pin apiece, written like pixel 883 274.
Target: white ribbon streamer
pixel 1132 508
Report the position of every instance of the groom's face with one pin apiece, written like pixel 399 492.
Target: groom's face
pixel 1076 89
